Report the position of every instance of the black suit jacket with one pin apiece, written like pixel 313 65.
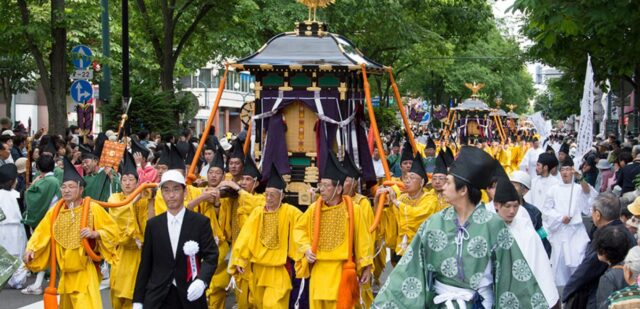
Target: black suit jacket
pixel 158 267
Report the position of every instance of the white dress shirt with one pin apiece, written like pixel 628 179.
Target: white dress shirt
pixel 174 223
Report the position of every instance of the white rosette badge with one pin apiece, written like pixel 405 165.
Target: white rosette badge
pixel 190 249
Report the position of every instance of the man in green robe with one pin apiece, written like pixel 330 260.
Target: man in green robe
pixel 477 264
pixel 101 182
pixel 44 191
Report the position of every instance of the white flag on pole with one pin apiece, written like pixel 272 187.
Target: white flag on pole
pixel 585 130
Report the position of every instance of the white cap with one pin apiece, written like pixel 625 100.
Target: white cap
pixel 521 177
pixel 8 132
pixel 172 175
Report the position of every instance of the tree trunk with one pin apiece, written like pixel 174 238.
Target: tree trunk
pixel 57 103
pixel 6 95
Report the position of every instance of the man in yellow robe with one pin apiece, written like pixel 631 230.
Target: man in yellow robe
pixel 132 220
pixel 412 207
pixel 325 265
pixel 264 245
pixel 362 202
pixel 79 285
pixel 238 211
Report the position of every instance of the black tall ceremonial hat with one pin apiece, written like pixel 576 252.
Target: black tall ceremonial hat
pixel 567 162
pixel 86 152
pixel 210 143
pixel 441 163
pixel 165 157
pixel 137 147
pixel 218 159
pixel 183 148
pixel 333 169
pixel 128 165
pixel 474 166
pixel 237 151
pixel 352 170
pixel 49 146
pixel 564 148
pixel 548 159
pixel 430 143
pixel 407 152
pixel 99 144
pixel 176 160
pixel 8 172
pixel 549 149
pixel 505 191
pixel 191 153
pixel 418 167
pixel 70 173
pixel 250 168
pixel 275 179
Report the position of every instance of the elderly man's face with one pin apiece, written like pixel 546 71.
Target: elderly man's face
pixel 71 191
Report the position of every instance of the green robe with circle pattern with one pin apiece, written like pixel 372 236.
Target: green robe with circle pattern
pixel 432 256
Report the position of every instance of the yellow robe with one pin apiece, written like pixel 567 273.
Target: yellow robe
pixel 160 205
pixel 237 210
pixel 263 245
pixel 362 202
pixel 332 250
pixel 216 292
pixel 516 156
pixel 504 157
pixel 132 221
pixel 410 214
pixel 79 285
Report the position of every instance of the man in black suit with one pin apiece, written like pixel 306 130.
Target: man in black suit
pixel 164 279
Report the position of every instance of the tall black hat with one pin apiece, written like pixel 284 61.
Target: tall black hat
pixel 352 170
pixel 505 191
pixel 548 159
pixel 70 173
pixel 418 167
pixel 564 148
pixel 474 166
pixel 549 149
pixel 567 162
pixel 275 179
pixel 333 169
pixel 218 159
pixel 237 151
pixel 8 172
pixel 430 143
pixel 210 143
pixel 407 152
pixel 48 145
pixel 250 168
pixel 128 165
pixel 183 148
pixel 99 144
pixel 137 147
pixel 443 161
pixel 165 154
pixel 86 152
pixel 176 160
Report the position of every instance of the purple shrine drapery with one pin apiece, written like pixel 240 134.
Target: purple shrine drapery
pixel 276 144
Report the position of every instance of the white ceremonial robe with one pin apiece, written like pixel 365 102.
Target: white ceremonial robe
pixel 539 188
pixel 13 236
pixel 568 241
pixel 534 253
pixel 529 161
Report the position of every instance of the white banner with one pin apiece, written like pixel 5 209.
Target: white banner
pixel 541 125
pixel 585 130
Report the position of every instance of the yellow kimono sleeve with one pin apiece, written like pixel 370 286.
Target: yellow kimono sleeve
pixel 243 245
pixel 293 252
pixel 108 229
pixel 224 218
pixel 302 238
pixel 40 244
pixel 247 202
pixel 362 241
pixel 367 217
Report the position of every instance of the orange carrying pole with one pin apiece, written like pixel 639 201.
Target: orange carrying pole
pixel 405 119
pixel 51 293
pixel 191 176
pixel 247 140
pixel 376 136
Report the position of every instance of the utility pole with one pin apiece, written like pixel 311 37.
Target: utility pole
pixel 105 87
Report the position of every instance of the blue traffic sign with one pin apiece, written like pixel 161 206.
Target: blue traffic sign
pixel 81 91
pixel 81 56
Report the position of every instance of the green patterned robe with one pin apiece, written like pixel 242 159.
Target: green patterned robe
pixel 433 255
pixel 99 187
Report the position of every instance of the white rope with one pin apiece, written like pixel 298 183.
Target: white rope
pixel 300 291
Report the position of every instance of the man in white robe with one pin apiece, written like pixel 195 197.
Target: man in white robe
pixel 528 163
pixel 562 212
pixel 507 205
pixel 541 183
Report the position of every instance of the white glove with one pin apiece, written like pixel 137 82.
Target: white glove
pixel 195 290
pixel 137 305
